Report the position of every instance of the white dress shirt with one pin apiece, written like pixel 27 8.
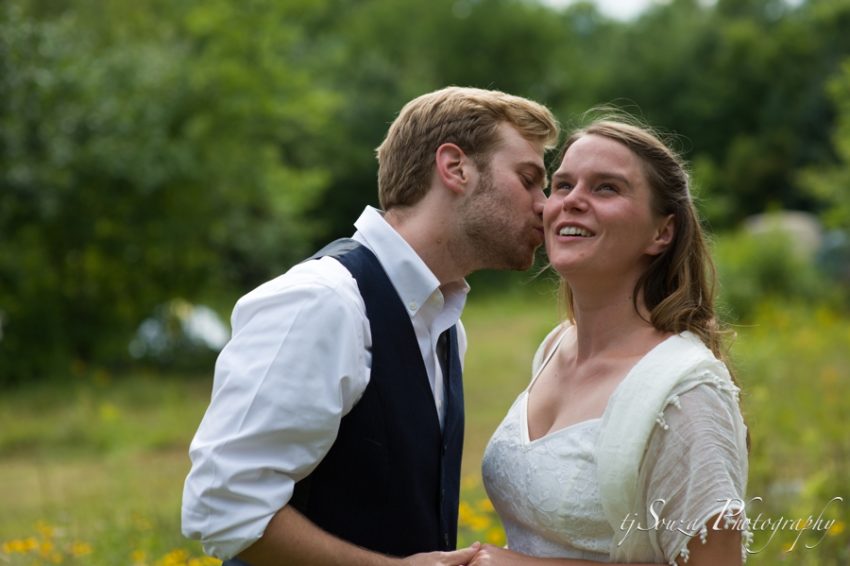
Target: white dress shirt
pixel 298 360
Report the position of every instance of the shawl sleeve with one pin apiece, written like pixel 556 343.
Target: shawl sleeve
pixel 695 469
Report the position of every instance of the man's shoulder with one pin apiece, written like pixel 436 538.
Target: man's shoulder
pixel 324 277
pixel 337 248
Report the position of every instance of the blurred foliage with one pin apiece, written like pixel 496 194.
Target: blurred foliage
pixel 146 157
pixel 792 361
pixel 70 451
pixel 753 268
pixel 831 184
pixel 154 149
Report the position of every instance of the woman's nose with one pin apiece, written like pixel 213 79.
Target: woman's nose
pixel 576 199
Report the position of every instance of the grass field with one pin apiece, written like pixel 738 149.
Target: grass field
pixel 91 468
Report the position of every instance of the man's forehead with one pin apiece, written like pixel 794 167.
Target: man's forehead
pixel 523 149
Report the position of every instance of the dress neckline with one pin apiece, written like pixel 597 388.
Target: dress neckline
pixel 526 437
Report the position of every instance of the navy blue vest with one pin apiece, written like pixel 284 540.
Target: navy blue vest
pixel 391 481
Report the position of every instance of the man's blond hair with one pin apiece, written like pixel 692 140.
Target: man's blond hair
pixel 467 117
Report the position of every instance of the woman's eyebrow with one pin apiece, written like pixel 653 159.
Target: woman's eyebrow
pixel 603 175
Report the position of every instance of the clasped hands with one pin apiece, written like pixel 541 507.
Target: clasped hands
pixel 476 554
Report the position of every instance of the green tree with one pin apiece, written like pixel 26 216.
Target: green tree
pixel 385 52
pixel 742 84
pixel 146 156
pixel 831 184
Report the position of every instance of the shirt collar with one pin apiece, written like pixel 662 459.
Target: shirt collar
pixel 413 280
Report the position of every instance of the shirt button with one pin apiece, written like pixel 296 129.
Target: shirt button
pixel 412 305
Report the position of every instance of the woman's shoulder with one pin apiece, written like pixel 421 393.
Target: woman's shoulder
pixel 688 352
pixel 548 345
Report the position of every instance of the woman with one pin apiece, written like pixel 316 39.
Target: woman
pixel 628 445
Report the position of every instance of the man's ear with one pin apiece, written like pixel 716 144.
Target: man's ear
pixel 453 167
pixel 663 235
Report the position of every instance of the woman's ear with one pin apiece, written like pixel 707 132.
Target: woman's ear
pixel 663 235
pixel 452 167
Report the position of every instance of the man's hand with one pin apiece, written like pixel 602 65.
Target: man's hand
pixel 291 538
pixel 459 557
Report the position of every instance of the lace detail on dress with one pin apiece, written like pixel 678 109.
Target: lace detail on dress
pixel 545 491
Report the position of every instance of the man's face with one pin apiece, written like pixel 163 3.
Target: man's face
pixel 502 216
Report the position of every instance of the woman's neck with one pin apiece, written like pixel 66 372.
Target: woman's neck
pixel 606 321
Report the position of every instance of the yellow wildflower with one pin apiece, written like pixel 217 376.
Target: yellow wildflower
pixel 80 548
pixel 479 522
pixel 177 557
pixel 496 536
pixel 46 548
pixel 45 529
pixel 486 506
pixel 14 546
pixel 465 513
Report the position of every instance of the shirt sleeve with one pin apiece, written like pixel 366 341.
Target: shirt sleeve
pixel 695 468
pixel 297 362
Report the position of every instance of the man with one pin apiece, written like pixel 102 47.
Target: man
pixel 335 430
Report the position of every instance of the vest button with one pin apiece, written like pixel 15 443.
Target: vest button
pixel 446 539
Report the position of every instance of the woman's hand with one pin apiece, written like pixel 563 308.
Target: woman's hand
pixel 490 555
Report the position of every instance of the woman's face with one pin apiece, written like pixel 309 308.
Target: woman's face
pixel 598 220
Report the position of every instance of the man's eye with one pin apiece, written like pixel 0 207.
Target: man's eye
pixel 531 182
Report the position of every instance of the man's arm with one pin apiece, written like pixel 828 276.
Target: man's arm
pixel 291 538
pixel 297 362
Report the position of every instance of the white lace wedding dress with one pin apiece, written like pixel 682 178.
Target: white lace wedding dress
pixel 547 491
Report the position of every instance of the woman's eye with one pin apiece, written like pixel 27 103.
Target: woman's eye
pixel 607 188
